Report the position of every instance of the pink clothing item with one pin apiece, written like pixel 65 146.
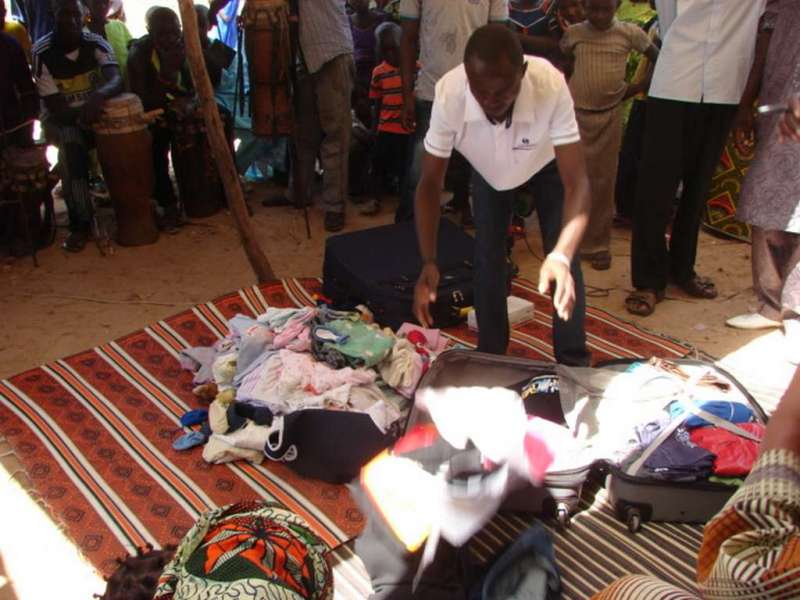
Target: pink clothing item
pixel 290 333
pixel 566 453
pixel 302 343
pixel 303 371
pixel 434 340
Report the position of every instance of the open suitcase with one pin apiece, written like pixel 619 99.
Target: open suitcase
pixel 561 492
pixel 635 499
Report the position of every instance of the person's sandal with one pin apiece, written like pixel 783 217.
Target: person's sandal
pixel 643 302
pixel 601 261
pixel 700 287
pixel 370 208
pixel 334 221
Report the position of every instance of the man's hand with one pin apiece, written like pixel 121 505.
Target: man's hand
pixel 92 110
pixel 744 131
pixel 425 293
pixel 790 123
pixel 555 274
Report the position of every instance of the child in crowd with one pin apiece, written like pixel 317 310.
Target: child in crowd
pixel 569 12
pixel 217 55
pixel 600 47
pixel 363 25
pixel 392 140
pixel 541 24
pixel 530 16
pixel 115 32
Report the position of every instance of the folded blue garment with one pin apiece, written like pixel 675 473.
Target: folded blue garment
pixel 194 417
pixel 190 440
pixel 735 412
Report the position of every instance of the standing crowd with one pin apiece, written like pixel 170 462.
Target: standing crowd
pixel 535 116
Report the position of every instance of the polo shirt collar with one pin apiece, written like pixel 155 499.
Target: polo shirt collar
pixel 523 112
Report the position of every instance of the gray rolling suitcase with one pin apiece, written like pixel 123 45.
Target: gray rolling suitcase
pixel 561 492
pixel 638 499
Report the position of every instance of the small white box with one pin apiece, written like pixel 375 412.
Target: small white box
pixel 519 311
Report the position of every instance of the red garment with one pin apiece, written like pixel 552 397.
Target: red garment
pixel 735 454
pixel 387 87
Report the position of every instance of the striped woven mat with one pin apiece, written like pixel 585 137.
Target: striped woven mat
pixel 94 432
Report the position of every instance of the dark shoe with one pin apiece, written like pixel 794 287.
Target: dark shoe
pixel 699 287
pixel 170 222
pixel 334 221
pixel 76 241
pixel 643 302
pixel 276 200
pixel 600 261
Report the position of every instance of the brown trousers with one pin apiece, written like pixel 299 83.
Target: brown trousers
pixel 322 127
pixel 601 134
pixel 776 272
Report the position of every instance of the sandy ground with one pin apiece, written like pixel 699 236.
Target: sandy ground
pixel 71 302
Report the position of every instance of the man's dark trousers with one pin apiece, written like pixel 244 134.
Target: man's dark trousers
pixel 683 141
pixel 492 211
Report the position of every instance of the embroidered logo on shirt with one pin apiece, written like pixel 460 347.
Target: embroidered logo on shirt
pixel 524 144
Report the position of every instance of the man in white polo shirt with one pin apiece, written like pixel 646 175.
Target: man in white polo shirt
pixel 512 117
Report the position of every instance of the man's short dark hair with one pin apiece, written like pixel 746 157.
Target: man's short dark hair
pixel 159 14
pixel 492 44
pixel 55 5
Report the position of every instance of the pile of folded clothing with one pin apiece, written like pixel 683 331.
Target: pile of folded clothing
pixel 292 361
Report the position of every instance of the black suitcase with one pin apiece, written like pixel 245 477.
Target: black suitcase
pixel 638 499
pixel 379 268
pixel 561 491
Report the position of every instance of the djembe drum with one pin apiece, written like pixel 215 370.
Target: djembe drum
pixel 124 147
pixel 269 53
pixel 24 189
pixel 199 183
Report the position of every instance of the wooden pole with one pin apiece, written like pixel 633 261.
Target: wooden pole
pixel 219 145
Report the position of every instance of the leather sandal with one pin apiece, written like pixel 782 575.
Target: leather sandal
pixel 600 261
pixel 699 287
pixel 643 302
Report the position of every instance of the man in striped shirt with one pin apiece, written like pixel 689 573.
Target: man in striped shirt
pixel 75 73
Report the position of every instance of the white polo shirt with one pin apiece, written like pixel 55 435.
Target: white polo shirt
pixel 506 157
pixel 708 49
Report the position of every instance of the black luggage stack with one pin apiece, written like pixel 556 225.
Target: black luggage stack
pixel 379 268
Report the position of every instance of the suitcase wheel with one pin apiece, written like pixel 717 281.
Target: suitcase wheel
pixel 562 516
pixel 634 519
